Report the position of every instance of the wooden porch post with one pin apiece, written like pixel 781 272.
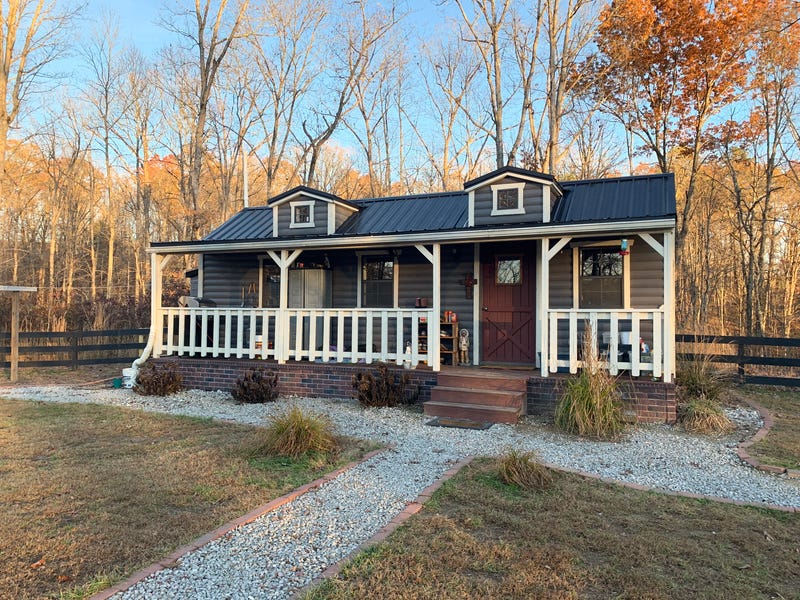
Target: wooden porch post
pixel 542 305
pixel 15 291
pixel 157 264
pixel 437 306
pixel 282 326
pixel 669 305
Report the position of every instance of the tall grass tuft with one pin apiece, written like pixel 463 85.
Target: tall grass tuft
pixel 591 405
pixel 701 415
pixel 524 470
pixel 296 434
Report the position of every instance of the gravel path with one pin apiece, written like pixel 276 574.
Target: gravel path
pixel 281 552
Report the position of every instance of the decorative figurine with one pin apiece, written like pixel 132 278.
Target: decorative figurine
pixel 463 347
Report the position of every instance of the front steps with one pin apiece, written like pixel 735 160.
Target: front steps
pixel 480 396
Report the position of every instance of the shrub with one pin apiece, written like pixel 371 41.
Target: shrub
pixel 696 378
pixel 295 434
pixel 591 406
pixel 380 388
pixel 255 387
pixel 155 379
pixel 524 470
pixel 701 415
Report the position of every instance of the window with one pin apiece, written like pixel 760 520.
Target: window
pixel 507 199
pixel 377 282
pixel 601 278
pixel 270 286
pixel 302 214
pixel 508 270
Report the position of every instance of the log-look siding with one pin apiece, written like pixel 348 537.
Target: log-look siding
pixel 320 219
pixel 531 201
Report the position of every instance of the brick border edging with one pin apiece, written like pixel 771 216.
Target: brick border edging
pixel 741 447
pixel 384 532
pixel 170 560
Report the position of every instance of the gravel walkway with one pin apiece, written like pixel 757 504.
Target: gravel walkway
pixel 283 551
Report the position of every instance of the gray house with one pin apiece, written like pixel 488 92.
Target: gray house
pixel 508 273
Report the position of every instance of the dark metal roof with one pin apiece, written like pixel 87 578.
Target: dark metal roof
pixel 425 212
pixel 617 199
pixel 248 224
pixel 303 189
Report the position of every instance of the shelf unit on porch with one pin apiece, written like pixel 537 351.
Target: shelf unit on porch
pixel 448 342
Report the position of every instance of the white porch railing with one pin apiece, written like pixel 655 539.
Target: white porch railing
pixel 616 334
pixel 340 335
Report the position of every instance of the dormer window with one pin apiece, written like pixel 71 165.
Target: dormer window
pixel 507 199
pixel 302 214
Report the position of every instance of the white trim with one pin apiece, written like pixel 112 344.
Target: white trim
pixel 297 204
pixel 559 245
pixel 652 242
pixel 200 274
pixel 331 218
pixel 576 277
pixel 434 331
pixel 471 208
pixel 576 269
pixel 313 196
pixel 506 174
pixel 468 235
pixel 520 210
pixel 543 304
pixel 546 204
pixel 602 243
pixel 395 278
pixel 476 304
pixel 669 306
pixel 274 221
pixel 626 281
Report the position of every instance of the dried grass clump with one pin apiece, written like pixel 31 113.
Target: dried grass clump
pixel 381 387
pixel 158 379
pixel 296 434
pixel 591 405
pixel 524 470
pixel 701 415
pixel 696 378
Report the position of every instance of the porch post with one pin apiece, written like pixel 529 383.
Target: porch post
pixel 669 305
pixel 476 303
pixel 437 306
pixel 156 285
pixel 542 305
pixel 282 326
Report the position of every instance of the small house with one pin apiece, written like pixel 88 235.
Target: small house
pixel 493 286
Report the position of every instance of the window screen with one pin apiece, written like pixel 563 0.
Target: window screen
pixel 377 283
pixel 600 278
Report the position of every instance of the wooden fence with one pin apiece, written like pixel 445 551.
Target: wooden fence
pixel 776 361
pixel 74 348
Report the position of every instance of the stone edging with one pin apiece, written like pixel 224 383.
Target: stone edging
pixel 411 509
pixel 169 561
pixel 741 447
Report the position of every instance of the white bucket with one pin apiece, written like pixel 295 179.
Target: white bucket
pixel 625 338
pixel 128 377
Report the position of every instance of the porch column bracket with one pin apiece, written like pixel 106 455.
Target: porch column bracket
pixel 557 248
pixel 285 260
pixel 425 252
pixel 164 261
pixel 652 242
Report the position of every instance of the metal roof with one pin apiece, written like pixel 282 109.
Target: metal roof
pixel 425 212
pixel 248 224
pixel 617 199
pixel 596 200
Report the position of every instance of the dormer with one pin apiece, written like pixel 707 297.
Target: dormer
pixel 511 195
pixel 306 212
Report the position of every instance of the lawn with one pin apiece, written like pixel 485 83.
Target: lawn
pixel 782 446
pixel 91 493
pixel 480 538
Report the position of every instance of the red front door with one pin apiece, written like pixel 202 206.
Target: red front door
pixel 509 304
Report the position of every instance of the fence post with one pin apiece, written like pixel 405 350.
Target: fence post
pixel 740 365
pixel 73 350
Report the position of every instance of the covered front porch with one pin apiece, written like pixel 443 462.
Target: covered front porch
pixel 428 283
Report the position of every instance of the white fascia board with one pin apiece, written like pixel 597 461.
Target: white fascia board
pixel 409 239
pixel 504 175
pixel 298 194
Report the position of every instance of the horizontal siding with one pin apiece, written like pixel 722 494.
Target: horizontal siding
pixel 225 275
pixel 531 199
pixel 455 266
pixel 647 275
pixel 561 279
pixel 320 220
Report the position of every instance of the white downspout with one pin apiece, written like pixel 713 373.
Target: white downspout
pixel 156 269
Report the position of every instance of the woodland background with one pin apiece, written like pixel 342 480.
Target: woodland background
pixel 104 148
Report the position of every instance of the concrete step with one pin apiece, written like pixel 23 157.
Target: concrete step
pixel 478 413
pixel 463 395
pixel 483 380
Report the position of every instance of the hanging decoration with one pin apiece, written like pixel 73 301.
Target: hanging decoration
pixel 623 247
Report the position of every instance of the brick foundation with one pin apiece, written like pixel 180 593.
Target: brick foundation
pixel 652 401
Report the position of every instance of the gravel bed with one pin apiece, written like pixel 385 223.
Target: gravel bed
pixel 283 551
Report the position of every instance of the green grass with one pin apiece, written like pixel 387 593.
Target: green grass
pixel 91 493
pixel 782 446
pixel 482 538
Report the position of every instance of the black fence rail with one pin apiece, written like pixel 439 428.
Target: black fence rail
pixel 773 361
pixel 74 348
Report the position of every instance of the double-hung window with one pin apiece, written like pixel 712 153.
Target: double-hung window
pixel 377 282
pixel 601 278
